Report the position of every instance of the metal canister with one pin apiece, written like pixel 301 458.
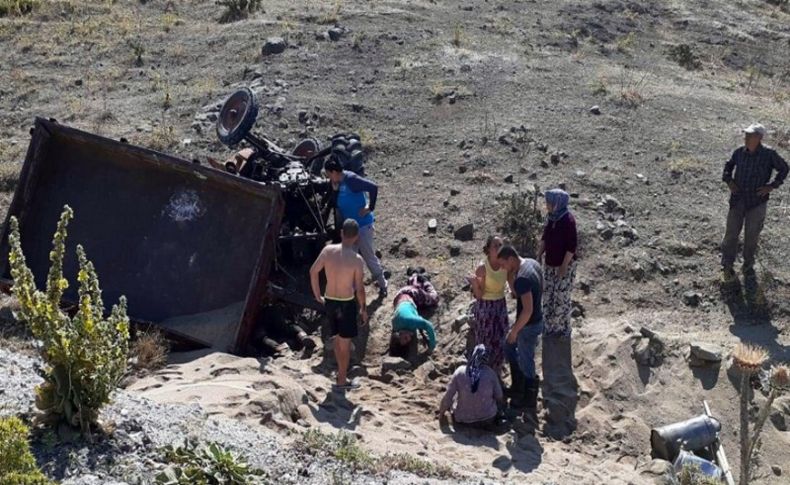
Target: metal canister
pixel 691 434
pixel 707 468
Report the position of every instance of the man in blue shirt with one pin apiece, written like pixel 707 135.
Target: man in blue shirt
pixel 356 199
pixel 750 187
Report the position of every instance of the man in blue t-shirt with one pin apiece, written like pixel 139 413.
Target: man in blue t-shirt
pixel 353 203
pixel 526 281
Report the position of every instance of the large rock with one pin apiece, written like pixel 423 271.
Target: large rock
pixel 394 364
pixel 780 413
pixel 465 232
pixel 273 45
pixel 705 352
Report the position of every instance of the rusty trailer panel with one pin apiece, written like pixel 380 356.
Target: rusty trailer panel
pixel 190 247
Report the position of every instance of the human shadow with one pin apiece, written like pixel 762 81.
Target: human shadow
pixel 469 435
pixel 526 455
pixel 337 411
pixel 752 322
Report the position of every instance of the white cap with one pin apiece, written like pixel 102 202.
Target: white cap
pixel 755 128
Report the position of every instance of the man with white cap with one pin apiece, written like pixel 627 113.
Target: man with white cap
pixel 750 187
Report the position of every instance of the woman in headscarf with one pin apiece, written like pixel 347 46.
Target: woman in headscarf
pixel 490 308
pixel 477 389
pixel 559 244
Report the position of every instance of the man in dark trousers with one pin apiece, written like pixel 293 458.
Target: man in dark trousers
pixel 750 186
pixel 526 282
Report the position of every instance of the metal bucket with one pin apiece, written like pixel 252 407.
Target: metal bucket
pixel 707 468
pixel 691 434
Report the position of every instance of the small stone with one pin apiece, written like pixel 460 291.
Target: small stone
pixel 78 82
pixel 596 110
pixel 465 232
pixel 555 158
pixel 509 179
pixel 395 364
pixel 462 169
pixel 411 252
pixel 706 352
pixel 659 467
pixel 273 45
pixel 335 33
pixel 692 298
pixel 454 192
pixel 426 173
pixel 455 250
pixel 433 224
pixel 777 470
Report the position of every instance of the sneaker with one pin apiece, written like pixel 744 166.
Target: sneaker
pixel 348 386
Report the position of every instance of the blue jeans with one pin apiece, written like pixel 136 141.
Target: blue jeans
pixel 523 351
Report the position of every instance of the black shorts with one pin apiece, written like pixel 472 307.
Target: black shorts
pixel 342 317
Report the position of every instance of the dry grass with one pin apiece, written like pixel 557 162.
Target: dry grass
pixel 458 36
pixel 9 176
pixel 15 8
pixel 149 350
pixel 625 43
pixel 678 166
pixel 333 15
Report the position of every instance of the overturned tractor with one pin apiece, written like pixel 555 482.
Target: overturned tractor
pixel 201 252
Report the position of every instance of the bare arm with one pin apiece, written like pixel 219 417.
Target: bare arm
pixel 526 311
pixel 359 286
pixel 449 396
pixel 315 270
pixel 479 282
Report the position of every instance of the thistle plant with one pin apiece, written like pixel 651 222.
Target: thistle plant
pixel 85 355
pixel 748 360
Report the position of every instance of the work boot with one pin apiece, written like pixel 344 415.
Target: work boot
pixel 531 389
pixel 518 389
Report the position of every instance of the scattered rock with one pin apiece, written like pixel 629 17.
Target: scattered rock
pixel 555 158
pixel 649 350
pixel 395 364
pixel 596 110
pixel 454 192
pixel 777 470
pixel 780 413
pixel 459 323
pixel 509 179
pixel 465 232
pixel 705 352
pixel 433 224
pixel 274 45
pixel 335 33
pixel 426 173
pixel 411 252
pixel 658 467
pixel 692 298
pixel 455 250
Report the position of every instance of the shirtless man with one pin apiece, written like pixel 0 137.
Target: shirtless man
pixel 344 268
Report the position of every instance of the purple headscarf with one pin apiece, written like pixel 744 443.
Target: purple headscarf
pixel 559 200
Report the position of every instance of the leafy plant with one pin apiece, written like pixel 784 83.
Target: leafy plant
pixel 209 464
pixel 344 447
pixel 522 222
pixel 85 355
pixel 238 9
pixel 17 464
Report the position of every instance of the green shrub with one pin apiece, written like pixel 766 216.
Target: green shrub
pixel 238 9
pixel 10 8
pixel 17 465
pixel 85 355
pixel 684 56
pixel 206 465
pixel 522 222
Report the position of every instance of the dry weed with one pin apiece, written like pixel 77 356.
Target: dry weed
pixel 149 350
pixel 749 358
pixel 678 166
